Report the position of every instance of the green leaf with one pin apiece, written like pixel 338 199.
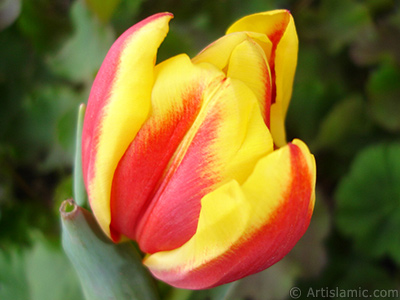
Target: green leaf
pixel 79 186
pixel 106 270
pixel 81 56
pixel 13 281
pixel 368 202
pixel 343 21
pixel 49 275
pixel 315 91
pixel 360 273
pixel 344 126
pixel 42 129
pixel 38 273
pixel 384 93
pixel 44 22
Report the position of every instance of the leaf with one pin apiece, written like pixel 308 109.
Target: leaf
pixel 376 44
pixel 315 91
pixel 106 270
pixel 13 281
pixel 41 126
pixel 79 185
pixel 49 275
pixel 368 202
pixel 363 274
pixel 38 273
pixel 343 21
pixel 81 56
pixel 45 23
pixel 384 94
pixel 344 126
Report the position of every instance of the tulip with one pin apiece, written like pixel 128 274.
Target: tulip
pixel 189 157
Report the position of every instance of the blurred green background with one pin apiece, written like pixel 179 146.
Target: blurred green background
pixel 345 106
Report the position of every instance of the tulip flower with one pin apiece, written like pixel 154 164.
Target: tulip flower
pixel 189 158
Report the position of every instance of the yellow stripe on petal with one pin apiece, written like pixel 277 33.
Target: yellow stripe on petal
pixel 125 111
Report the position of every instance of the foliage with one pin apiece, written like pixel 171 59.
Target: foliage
pixel 345 104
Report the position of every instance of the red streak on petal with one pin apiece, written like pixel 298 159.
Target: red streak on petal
pixel 171 220
pixel 143 165
pixel 275 38
pixel 268 96
pixel 266 246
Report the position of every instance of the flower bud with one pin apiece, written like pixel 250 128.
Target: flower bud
pixel 189 157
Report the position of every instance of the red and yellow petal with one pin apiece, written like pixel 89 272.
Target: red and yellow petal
pixel 245 228
pixel 225 141
pixel 278 26
pixel 118 105
pixel 177 97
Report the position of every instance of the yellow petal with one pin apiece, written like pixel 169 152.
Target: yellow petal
pixel 279 26
pixel 241 137
pixel 218 52
pixel 249 64
pixel 278 124
pixel 128 68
